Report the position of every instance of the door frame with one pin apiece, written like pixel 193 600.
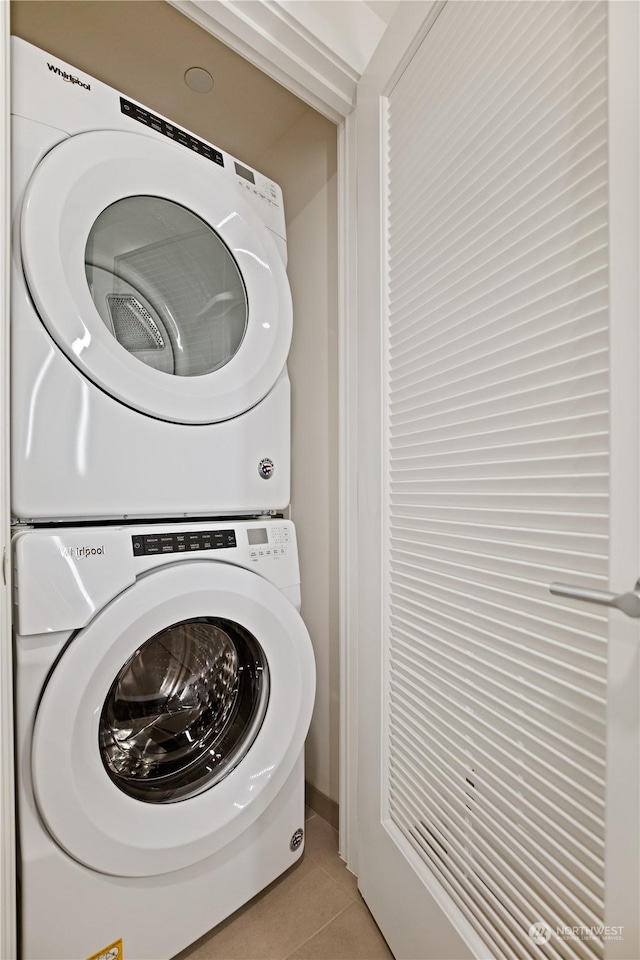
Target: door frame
pixel 622 845
pixel 8 920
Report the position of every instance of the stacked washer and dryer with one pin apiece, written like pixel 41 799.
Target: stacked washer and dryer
pixel 164 676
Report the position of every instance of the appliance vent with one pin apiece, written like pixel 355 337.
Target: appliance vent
pixel 134 328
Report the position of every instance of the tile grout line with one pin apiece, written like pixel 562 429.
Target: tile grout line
pixel 335 916
pixel 337 882
pixel 323 927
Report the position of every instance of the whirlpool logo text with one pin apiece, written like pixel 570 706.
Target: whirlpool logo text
pixel 68 77
pixel 81 553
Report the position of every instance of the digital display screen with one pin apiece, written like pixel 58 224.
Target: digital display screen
pixel 257 535
pixel 247 174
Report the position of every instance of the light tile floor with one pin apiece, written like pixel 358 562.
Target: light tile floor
pixel 312 912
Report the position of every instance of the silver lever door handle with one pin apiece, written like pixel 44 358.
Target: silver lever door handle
pixel 629 603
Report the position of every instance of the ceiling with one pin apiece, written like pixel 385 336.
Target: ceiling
pixel 317 48
pixel 385 9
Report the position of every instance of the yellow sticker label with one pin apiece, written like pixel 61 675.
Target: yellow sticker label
pixel 112 952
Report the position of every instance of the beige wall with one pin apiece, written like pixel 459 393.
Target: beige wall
pixel 304 161
pixel 143 49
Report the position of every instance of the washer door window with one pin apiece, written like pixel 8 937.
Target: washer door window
pixel 195 684
pixel 155 277
pixel 184 710
pixel 166 286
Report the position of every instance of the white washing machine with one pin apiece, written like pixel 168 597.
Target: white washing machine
pixel 164 687
pixel 151 311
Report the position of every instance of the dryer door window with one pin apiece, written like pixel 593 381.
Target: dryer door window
pixel 184 710
pixel 166 286
pixel 155 277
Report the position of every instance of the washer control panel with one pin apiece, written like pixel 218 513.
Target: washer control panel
pixel 62 577
pixel 271 541
pixel 150 544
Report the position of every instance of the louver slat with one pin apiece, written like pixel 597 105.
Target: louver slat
pixel 497 465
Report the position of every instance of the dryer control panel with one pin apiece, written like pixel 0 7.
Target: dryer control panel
pixel 47 96
pixel 167 129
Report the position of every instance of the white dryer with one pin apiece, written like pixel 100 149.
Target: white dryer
pixel 165 682
pixel 151 311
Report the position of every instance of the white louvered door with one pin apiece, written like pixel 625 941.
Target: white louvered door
pixel 499 786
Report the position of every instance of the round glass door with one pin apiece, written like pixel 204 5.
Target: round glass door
pixel 164 693
pixel 166 286
pixel 184 710
pixel 155 277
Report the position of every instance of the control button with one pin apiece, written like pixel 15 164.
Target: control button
pixel 152 544
pixel 169 130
